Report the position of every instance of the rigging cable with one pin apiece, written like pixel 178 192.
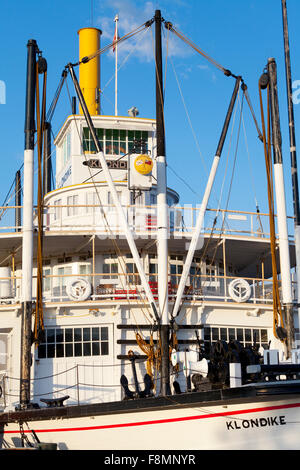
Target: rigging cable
pixel 252 178
pixel 41 67
pixel 214 222
pixel 56 96
pixel 227 72
pixel 114 43
pixel 278 323
pixel 118 252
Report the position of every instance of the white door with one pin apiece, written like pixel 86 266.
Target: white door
pixel 5 351
pixel 76 361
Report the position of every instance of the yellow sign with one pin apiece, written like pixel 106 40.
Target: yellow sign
pixel 143 164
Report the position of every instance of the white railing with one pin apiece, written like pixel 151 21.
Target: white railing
pixel 123 287
pixel 143 220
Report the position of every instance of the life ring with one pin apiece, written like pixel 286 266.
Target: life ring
pixel 239 290
pixel 78 289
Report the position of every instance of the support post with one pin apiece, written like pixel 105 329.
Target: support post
pixel 47 163
pixel 285 267
pixel 18 201
pixel 162 213
pixel 293 153
pixel 27 246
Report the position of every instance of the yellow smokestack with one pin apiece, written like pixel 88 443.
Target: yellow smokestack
pixel 89 73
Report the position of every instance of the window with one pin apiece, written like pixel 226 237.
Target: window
pixel 66 148
pixel 195 277
pixel 85 269
pixel 110 201
pixel 74 342
pixel 132 277
pixel 46 280
pixel 195 273
pixel 61 280
pixel 176 266
pixel 211 282
pixel 138 136
pixel 57 209
pixel 153 269
pixel 153 200
pixel 113 141
pixel 110 267
pixel 90 201
pixel 246 336
pixel 71 202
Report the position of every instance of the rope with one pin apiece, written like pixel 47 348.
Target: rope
pixel 154 355
pixel 277 311
pixel 227 72
pixel 56 96
pixel 39 322
pixel 113 44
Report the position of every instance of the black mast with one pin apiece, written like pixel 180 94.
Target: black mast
pixel 277 158
pixel 161 184
pixel 47 163
pixel 26 333
pixel 292 148
pixel 18 201
pixel 291 116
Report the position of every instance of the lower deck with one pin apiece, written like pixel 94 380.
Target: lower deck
pixel 86 346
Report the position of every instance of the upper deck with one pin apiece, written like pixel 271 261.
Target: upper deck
pixel 90 235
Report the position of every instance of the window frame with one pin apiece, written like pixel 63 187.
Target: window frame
pixel 111 139
pixel 215 335
pixel 62 342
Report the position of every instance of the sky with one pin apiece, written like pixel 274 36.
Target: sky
pixel 239 34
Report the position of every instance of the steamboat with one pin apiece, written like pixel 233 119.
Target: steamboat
pixel 127 321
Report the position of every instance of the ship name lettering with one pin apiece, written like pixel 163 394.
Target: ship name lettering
pixel 256 423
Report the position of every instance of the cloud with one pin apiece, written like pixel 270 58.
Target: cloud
pixel 133 14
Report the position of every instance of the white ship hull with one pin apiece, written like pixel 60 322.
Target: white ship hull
pixel 263 423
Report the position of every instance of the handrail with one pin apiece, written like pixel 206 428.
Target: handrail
pixel 182 219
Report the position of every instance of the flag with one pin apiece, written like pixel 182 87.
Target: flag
pixel 116 36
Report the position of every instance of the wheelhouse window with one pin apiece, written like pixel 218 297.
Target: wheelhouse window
pixel 74 342
pixel 113 141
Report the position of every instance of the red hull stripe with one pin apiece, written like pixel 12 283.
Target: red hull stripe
pixel 163 421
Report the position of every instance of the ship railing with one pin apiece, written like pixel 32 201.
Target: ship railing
pixel 143 220
pixel 124 286
pixel 88 383
pixel 82 383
